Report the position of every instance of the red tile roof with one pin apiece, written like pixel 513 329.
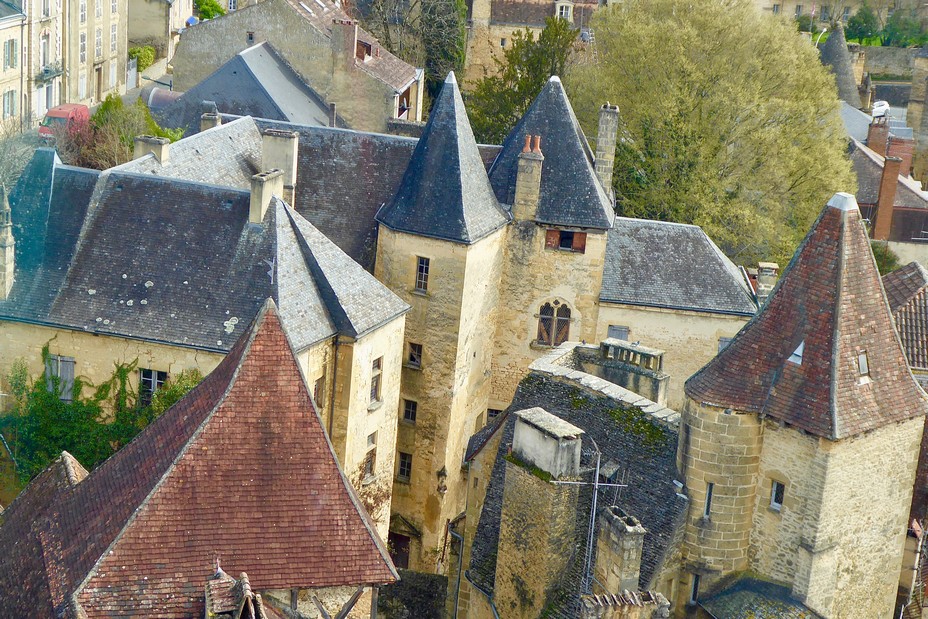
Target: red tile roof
pixel 240 470
pixel 830 300
pixel 907 291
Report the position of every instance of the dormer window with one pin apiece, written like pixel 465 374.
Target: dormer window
pixel 796 357
pixel 363 50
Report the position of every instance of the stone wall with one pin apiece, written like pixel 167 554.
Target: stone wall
pixel 689 339
pixel 629 605
pixel 909 252
pixel 889 60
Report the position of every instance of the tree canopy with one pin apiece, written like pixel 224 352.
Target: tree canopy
pixel 864 24
pixel 498 101
pixel 727 120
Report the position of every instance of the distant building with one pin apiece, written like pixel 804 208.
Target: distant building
pixel 12 68
pixel 239 473
pixel 93 50
pixel 158 23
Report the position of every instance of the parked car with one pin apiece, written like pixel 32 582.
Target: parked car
pixel 880 108
pixel 70 117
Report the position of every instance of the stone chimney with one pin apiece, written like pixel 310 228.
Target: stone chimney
pixel 279 151
pixel 344 42
pixel 528 180
pixel 209 116
pixel 883 216
pixel 160 147
pixel 877 135
pixel 7 246
pixel 333 115
pixel 264 186
pixel 767 273
pixel 605 144
pixel 904 148
pixel 618 552
pixel 537 524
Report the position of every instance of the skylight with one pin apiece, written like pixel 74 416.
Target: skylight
pixel 796 357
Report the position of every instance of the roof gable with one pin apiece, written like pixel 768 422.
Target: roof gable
pixel 445 192
pixel 571 194
pixel 830 300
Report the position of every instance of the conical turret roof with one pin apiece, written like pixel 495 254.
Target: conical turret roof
pixel 837 58
pixel 822 355
pixel 445 192
pixel 571 194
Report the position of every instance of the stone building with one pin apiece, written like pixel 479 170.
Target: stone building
pixel 238 473
pixel 93 50
pixel 43 58
pixel 158 23
pixel 12 69
pixel 791 432
pixel 340 61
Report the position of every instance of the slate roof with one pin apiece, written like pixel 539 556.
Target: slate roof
pixel 240 468
pixel 535 13
pixel 183 265
pixel 907 293
pixel 856 123
pixel 830 300
pixel 835 56
pixel 10 9
pixel 445 192
pixel 868 166
pixel 255 82
pixel 748 598
pixel 663 264
pixel 650 468
pixel 571 194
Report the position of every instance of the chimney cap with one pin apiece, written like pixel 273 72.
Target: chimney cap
pixel 280 133
pixel 843 201
pixel 267 175
pixel 151 139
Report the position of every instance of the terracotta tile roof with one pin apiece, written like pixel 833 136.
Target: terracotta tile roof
pixel 907 292
pixel 240 469
pixel 868 166
pixel 830 307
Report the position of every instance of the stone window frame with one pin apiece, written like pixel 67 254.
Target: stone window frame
pixel 414 355
pixel 10 103
pixel 776 9
pixel 369 465
pixel 377 381
pixel 564 10
pixel 83 12
pixel 404 467
pixel 98 8
pixel 776 504
pixel 319 389
pixel 423 267
pixel 565 240
pixel 82 48
pixel 410 410
pixel 707 508
pixel 150 381
pixel 694 590
pixel 98 43
pixel 554 320
pixel 114 7
pixel 619 332
pixel 114 38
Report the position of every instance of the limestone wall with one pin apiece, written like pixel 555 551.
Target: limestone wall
pixel 889 60
pixel 689 339
pixel 909 252
pixel 534 276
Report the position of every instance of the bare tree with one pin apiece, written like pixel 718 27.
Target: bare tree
pixel 16 148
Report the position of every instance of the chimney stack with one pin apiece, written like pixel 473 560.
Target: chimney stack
pixel 618 552
pixel 877 135
pixel 883 216
pixel 537 527
pixel 264 186
pixel 209 116
pixel 344 42
pixel 279 151
pixel 7 246
pixel 528 180
pixel 145 144
pixel 333 115
pixel 766 279
pixel 605 145
pixel 904 148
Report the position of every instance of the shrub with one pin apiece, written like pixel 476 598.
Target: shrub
pixel 208 9
pixel 886 259
pixel 145 56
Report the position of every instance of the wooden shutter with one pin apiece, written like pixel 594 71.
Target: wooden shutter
pixel 552 239
pixel 563 325
pixel 546 324
pixel 579 242
pixel 66 369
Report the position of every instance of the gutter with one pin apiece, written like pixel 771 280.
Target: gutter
pixel 680 308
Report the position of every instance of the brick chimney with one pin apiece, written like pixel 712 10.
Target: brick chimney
pixel 209 116
pixel 264 186
pixel 537 523
pixel 877 135
pixel 528 180
pixel 767 273
pixel 160 147
pixel 279 151
pixel 883 216
pixel 904 148
pixel 7 246
pixel 605 144
pixel 618 552
pixel 344 42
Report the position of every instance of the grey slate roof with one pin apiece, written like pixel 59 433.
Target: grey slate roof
pixel 677 266
pixel 856 123
pixel 175 261
pixel 650 470
pixel 748 598
pixel 571 194
pixel 868 166
pixel 445 192
pixel 835 56
pixel 255 82
pixel 10 9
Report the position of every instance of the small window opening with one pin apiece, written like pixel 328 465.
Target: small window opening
pixel 370 459
pixel 422 274
pixel 376 373
pixel 777 492
pixel 493 413
pixel 708 509
pixel 694 591
pixel 414 359
pixel 404 471
pixel 502 42
pixel 410 408
pixel 796 357
pixel 863 363
pixel 150 381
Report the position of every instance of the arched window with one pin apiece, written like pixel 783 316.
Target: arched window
pixel 553 324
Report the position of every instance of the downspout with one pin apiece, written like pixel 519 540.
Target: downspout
pixel 485 594
pixel 334 383
pixel 457 591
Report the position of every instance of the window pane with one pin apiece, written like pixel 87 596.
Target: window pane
pixel 415 355
pixel 546 324
pixel 410 408
pixel 422 274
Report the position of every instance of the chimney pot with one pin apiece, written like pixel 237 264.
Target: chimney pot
pixel 536 144
pixel 159 147
pixel 528 144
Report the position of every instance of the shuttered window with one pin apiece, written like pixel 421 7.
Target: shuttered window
pixel 59 376
pixel 553 324
pixel 565 240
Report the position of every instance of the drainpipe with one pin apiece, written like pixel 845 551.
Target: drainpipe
pixel 334 383
pixel 457 591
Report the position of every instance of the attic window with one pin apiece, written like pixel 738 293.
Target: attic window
pixel 796 357
pixel 250 37
pixel 863 366
pixel 566 240
pixel 362 50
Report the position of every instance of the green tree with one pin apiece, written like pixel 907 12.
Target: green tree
pixel 443 34
pixel 886 259
pixel 902 29
pixel 498 101
pixel 728 120
pixel 863 25
pixel 208 9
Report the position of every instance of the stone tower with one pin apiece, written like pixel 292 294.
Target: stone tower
pixel 800 440
pixel 556 246
pixel 915 116
pixel 440 248
pixel 7 246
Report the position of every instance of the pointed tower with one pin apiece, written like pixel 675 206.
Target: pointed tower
pixel 837 58
pixel 545 173
pixel 7 246
pixel 801 438
pixel 440 248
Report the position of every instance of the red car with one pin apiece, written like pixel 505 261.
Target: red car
pixel 70 116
